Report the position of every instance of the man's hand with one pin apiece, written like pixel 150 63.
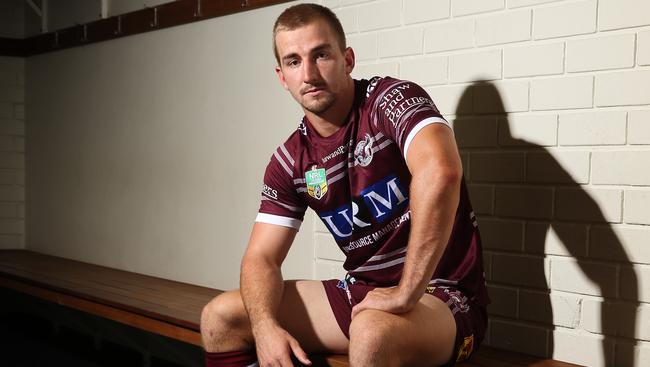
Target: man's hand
pixel 392 300
pixel 275 346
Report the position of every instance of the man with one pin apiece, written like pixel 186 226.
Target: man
pixel 379 165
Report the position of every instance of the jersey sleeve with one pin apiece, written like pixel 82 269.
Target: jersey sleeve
pixel 280 202
pixel 400 109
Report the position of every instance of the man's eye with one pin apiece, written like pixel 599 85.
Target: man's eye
pixel 292 63
pixel 323 55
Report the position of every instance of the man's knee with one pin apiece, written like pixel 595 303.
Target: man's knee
pixel 224 320
pixel 370 339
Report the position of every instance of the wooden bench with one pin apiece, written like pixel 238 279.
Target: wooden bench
pixel 158 306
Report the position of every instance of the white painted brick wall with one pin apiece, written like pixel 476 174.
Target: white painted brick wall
pixel 416 11
pixel 12 156
pixel 526 130
pixel 522 270
pixel 447 98
pixel 637 202
pixel 504 301
pixel 628 354
pixel 545 59
pixel 562 239
pixel 643 52
pixel 632 283
pixel 624 243
pixel 502 234
pixel 400 42
pixel 562 93
pixel 583 278
pixel 638 128
pixel 557 166
pixel 464 68
pixel 566 19
pixel 383 15
pixel 452 35
pixel 503 28
pixel 593 128
pixel 623 88
pixel 513 95
pixel 524 202
pixel 482 197
pixel 425 70
pixel 364 46
pixel 555 149
pixel 587 204
pixel 520 3
pixel 609 168
pixel 515 336
pixel 464 7
pixel 582 348
pixel 348 18
pixel 497 167
pixel 562 309
pixel 617 14
pixel 600 53
pixel 476 132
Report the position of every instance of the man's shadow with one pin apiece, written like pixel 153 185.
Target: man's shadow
pixel 545 239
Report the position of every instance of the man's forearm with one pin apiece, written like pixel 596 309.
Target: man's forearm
pixel 261 288
pixel 434 198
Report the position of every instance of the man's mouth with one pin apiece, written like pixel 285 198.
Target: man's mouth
pixel 313 90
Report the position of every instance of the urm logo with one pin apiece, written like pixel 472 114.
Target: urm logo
pixel 378 201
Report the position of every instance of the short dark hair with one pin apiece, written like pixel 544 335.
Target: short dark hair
pixel 303 14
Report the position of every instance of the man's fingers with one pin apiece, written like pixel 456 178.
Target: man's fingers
pixel 298 352
pixel 358 308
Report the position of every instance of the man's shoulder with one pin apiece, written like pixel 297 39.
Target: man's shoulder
pixel 287 152
pixel 380 84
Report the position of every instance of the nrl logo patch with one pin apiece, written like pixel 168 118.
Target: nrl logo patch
pixel 363 152
pixel 316 182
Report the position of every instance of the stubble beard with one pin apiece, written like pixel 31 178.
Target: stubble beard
pixel 319 105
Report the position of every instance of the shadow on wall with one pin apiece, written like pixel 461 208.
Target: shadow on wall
pixel 536 220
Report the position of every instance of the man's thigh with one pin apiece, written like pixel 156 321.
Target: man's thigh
pixel 424 336
pixel 305 313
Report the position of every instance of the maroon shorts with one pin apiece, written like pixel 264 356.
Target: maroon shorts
pixel 471 320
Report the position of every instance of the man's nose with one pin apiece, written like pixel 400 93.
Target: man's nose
pixel 310 71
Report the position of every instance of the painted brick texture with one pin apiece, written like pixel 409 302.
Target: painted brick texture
pixel 550 106
pixel 12 152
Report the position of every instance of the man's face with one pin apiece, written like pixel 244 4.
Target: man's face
pixel 312 66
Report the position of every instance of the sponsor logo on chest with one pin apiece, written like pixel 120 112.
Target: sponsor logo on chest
pixel 376 203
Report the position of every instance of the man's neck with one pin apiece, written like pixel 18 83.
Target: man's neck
pixel 329 122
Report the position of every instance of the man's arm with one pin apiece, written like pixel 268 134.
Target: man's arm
pixel 436 171
pixel 262 288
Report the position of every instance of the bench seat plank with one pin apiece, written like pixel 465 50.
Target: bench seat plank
pixel 159 299
pixel 158 305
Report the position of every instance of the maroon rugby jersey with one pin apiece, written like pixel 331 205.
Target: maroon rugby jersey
pixel 357 181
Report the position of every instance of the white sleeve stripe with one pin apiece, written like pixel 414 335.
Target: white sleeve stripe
pixel 282 163
pixel 419 126
pixel 286 153
pixel 278 220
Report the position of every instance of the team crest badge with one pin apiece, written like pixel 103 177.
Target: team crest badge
pixel 316 182
pixel 363 152
pixel 466 349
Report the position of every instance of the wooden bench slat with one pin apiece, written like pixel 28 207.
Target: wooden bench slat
pixel 47 264
pixel 80 280
pixel 125 317
pixel 182 316
pixel 136 296
pixel 160 306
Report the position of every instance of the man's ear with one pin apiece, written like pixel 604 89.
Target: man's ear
pixel 349 60
pixel 280 74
